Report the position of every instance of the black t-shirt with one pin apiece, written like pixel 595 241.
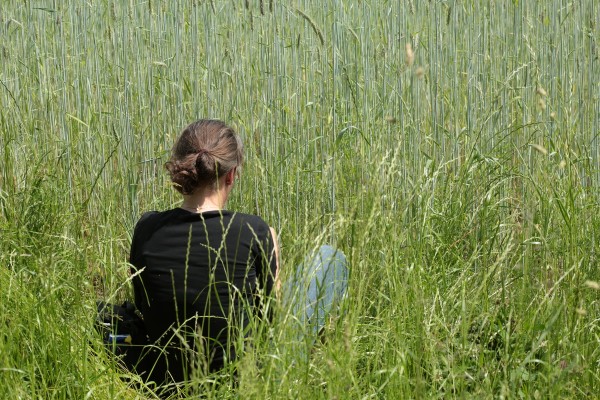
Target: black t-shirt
pixel 200 273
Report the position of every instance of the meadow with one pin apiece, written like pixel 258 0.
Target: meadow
pixel 449 148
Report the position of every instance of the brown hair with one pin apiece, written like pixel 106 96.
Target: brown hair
pixel 206 150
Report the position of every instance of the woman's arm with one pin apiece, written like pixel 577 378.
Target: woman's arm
pixel 276 251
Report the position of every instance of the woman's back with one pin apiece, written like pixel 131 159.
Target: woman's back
pixel 196 269
pixel 198 274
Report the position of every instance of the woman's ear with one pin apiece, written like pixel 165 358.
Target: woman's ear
pixel 230 176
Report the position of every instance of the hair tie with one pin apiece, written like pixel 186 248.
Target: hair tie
pixel 199 162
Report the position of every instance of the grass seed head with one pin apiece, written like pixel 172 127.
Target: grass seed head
pixel 420 72
pixel 542 104
pixel 541 91
pixel 410 55
pixel 540 148
pixel 592 285
pixel 562 164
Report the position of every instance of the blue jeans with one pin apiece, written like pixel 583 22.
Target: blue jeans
pixel 316 289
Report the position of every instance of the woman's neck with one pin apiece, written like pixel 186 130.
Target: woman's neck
pixel 200 208
pixel 204 200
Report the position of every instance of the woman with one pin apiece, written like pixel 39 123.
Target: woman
pixel 199 269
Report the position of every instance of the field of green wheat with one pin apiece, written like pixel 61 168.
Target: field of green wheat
pixel 449 148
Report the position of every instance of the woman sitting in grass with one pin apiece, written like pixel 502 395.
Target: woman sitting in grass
pixel 200 270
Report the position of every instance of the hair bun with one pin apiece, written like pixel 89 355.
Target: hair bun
pixel 183 173
pixel 205 150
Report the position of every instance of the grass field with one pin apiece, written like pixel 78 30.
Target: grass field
pixel 450 149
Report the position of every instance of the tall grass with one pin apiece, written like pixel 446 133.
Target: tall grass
pixel 461 181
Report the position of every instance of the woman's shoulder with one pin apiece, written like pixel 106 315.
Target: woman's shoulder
pixel 247 217
pixel 251 221
pixel 151 219
pixel 147 216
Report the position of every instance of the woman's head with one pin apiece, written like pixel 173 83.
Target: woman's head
pixel 205 151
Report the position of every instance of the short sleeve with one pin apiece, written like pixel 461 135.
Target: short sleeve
pixel 141 233
pixel 266 265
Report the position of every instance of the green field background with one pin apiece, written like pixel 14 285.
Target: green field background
pixel 449 148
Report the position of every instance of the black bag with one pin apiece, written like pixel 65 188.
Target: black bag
pixel 123 331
